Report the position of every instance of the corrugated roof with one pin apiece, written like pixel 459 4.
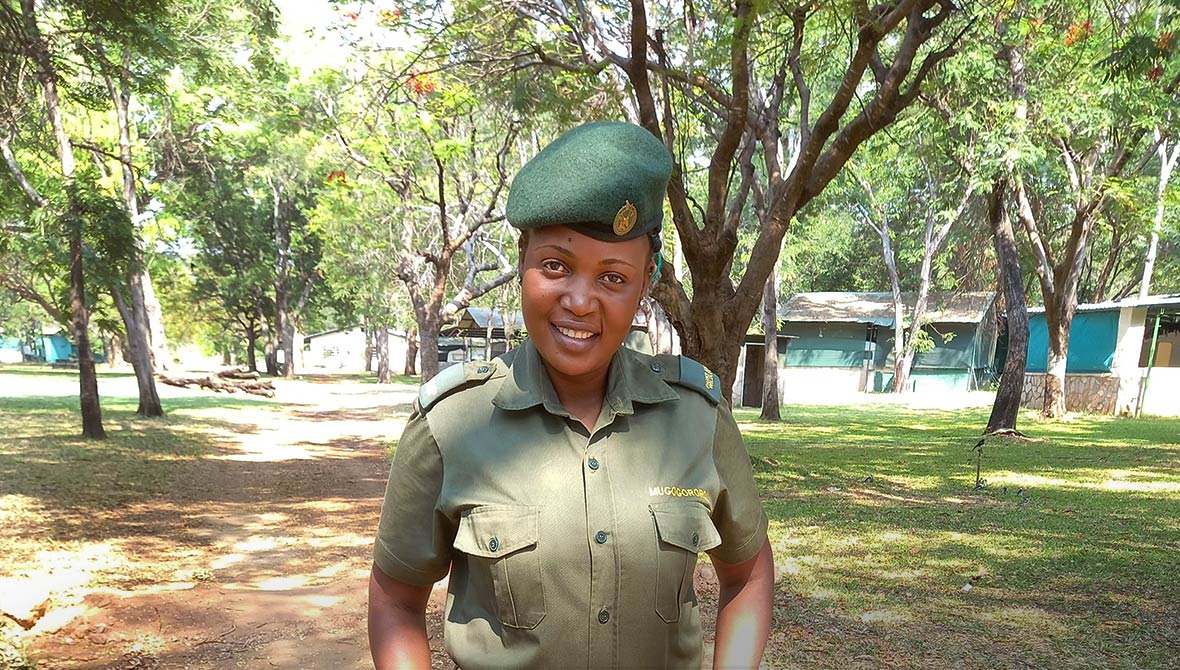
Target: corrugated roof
pixel 877 308
pixel 1172 300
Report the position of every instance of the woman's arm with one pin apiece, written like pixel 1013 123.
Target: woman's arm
pixel 397 623
pixel 743 610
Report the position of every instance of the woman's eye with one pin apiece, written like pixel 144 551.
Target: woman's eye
pixel 612 278
pixel 553 266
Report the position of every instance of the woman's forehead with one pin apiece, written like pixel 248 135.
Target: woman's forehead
pixel 570 242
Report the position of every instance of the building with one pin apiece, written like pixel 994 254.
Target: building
pixel 833 344
pixel 344 350
pixel 1110 367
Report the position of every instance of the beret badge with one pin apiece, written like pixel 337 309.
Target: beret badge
pixel 625 219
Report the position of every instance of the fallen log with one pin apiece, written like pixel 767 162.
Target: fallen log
pixel 219 383
pixel 234 373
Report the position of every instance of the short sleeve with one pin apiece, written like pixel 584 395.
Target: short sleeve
pixel 414 536
pixel 737 512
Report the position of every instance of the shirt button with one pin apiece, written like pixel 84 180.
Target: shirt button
pixel 493 545
pixel 603 616
pixel 593 463
pixel 696 539
pixel 600 537
pixel 656 367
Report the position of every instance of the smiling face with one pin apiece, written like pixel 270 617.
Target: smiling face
pixel 579 297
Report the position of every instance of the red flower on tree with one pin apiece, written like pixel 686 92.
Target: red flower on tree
pixel 1078 32
pixel 421 83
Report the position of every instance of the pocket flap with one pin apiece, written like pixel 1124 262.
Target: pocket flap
pixel 492 531
pixel 686 525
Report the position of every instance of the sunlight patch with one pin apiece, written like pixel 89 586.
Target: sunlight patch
pixel 882 616
pixel 281 583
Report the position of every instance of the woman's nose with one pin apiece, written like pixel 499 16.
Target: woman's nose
pixel 577 298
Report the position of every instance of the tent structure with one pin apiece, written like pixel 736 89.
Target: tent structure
pixel 1123 357
pixel 835 342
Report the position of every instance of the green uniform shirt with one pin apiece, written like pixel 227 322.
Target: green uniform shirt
pixel 569 548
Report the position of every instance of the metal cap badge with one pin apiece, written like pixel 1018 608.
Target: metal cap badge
pixel 625 219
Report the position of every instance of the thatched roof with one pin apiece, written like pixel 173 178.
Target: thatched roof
pixel 877 308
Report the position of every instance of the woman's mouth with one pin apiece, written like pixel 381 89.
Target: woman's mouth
pixel 575 334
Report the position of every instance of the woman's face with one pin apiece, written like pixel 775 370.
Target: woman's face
pixel 579 297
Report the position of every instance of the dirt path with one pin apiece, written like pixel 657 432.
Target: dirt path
pixel 255 556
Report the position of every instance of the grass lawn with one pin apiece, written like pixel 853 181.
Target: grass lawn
pixel 1067 558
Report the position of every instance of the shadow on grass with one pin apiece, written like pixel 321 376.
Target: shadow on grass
pixel 1064 559
pixel 162 469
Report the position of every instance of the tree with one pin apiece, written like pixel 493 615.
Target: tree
pixel 433 167
pixel 726 108
pixel 1006 406
pixel 22 30
pixel 920 202
pixel 1072 138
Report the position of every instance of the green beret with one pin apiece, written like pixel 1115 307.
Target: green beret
pixel 604 179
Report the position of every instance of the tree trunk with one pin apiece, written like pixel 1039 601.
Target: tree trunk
pixel 161 359
pixel 268 345
pixel 1167 164
pixel 287 338
pixel 384 374
pixel 428 342
pixel 1006 407
pixel 770 399
pixel 368 348
pixel 87 377
pixel 282 232
pixel 412 352
pixel 141 356
pixel 114 351
pixel 252 349
pixel 1058 324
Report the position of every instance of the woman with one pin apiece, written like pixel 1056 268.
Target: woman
pixel 569 485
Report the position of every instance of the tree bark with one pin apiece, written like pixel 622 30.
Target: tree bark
pixel 268 344
pixel 428 342
pixel 114 351
pixel 141 356
pixel 1057 322
pixel 1006 407
pixel 368 348
pixel 252 348
pixel 770 399
pixel 282 233
pixel 1167 164
pixel 384 374
pixel 411 352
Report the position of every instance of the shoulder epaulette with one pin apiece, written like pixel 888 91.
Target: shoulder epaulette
pixel 686 372
pixel 452 379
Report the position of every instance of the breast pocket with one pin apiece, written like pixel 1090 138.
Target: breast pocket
pixel 683 528
pixel 502 541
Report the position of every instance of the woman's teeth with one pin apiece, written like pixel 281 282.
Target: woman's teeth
pixel 576 334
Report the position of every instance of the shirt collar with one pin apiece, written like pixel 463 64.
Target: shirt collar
pixel 631 379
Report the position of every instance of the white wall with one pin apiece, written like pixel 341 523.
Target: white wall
pixel 1163 392
pixel 1126 357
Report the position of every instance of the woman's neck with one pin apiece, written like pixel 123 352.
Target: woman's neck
pixel 581 396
